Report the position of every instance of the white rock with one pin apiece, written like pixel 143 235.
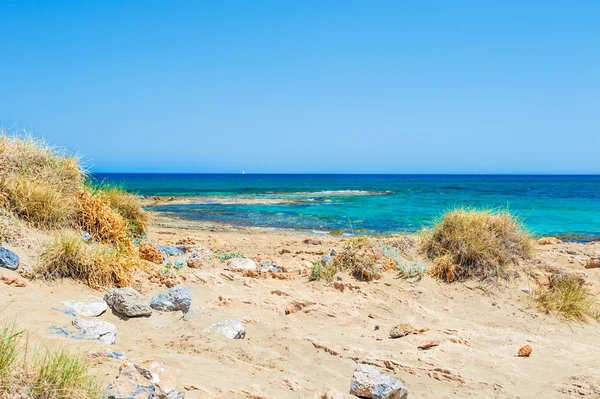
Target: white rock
pixel 241 264
pixel 232 329
pixel 369 382
pixel 101 330
pixel 88 309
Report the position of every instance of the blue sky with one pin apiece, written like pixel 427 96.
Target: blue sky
pixel 308 86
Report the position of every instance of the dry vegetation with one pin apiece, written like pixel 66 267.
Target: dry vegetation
pixel 366 258
pixel 46 188
pixel 27 371
pixel 468 243
pixel 568 296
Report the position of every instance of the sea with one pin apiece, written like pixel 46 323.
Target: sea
pixel 566 206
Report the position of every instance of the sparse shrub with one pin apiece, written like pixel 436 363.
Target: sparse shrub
pixel 59 374
pixel 125 204
pixel 322 271
pixel 97 218
pixel 568 296
pixel 469 243
pixel 230 255
pixel 96 265
pixel 43 373
pixel 396 249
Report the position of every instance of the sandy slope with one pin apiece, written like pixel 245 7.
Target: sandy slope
pixel 304 354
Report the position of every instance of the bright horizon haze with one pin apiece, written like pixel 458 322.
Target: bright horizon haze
pixel 498 87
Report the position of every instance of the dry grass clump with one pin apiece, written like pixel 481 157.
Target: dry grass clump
pixel 127 205
pixel 365 258
pixel 468 243
pixel 97 218
pixel 96 265
pixel 568 296
pixel 44 373
pixel 38 180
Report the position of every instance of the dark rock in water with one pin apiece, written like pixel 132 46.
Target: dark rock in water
pixel 176 298
pixel 8 259
pixel 175 250
pixel 325 259
pixel 86 237
pixel 128 302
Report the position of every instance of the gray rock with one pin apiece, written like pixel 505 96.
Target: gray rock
pixel 173 250
pixel 176 298
pixel 241 264
pixel 232 329
pixel 333 252
pixel 88 309
pixel 97 329
pixel 369 382
pixel 8 259
pixel 86 237
pixel 325 259
pixel 128 302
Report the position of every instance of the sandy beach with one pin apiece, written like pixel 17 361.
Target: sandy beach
pixel 331 327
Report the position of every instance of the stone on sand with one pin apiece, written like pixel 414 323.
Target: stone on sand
pixel 145 380
pixel 8 259
pixel 232 329
pixel 176 298
pixel 369 382
pixel 97 329
pixel 128 302
pixel 89 309
pixel 241 264
pixel 525 351
pixel 149 252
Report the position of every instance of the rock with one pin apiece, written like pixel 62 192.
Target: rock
pixel 526 290
pixel 88 309
pixel 401 330
pixel 101 330
pixel 14 281
pixel 128 302
pixel 95 353
pixel 369 382
pixel 144 381
pixel 325 259
pixel 232 329
pixel 372 316
pixel 86 237
pixel 151 253
pixel 339 286
pixel 176 298
pixel 241 264
pixel 333 252
pixel 8 259
pixel 525 351
pixel 195 263
pixel 427 344
pixel 290 310
pixel 592 265
pixel 173 250
pixel 549 241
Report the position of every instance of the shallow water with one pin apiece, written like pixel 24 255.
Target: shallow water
pixel 567 206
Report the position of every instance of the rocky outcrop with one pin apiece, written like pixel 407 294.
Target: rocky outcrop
pixel 128 302
pixel 8 259
pixel 369 382
pixel 176 298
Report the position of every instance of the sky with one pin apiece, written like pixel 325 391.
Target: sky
pixel 319 86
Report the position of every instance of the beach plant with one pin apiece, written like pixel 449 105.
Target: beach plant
pixel 324 271
pixel 397 250
pixel 230 255
pixel 96 265
pixel 39 372
pixel 469 243
pixel 568 296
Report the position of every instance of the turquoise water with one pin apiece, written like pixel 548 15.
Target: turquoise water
pixel 567 206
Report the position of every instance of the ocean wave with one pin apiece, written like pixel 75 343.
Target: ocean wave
pixel 337 193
